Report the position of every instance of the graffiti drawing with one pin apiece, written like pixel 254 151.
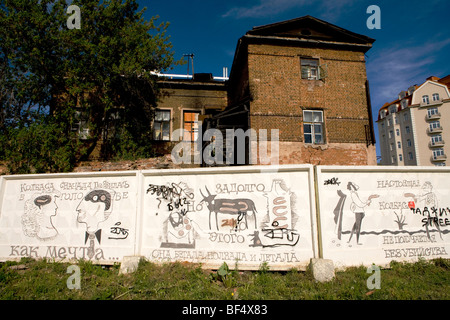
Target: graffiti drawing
pixel 243 208
pixel 121 233
pixel 37 218
pixel 178 231
pixel 357 207
pixel 429 200
pixel 279 224
pixel 93 209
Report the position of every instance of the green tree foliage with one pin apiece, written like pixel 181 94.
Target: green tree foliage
pixel 51 77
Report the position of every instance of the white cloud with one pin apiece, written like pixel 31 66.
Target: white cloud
pixel 265 8
pixel 396 69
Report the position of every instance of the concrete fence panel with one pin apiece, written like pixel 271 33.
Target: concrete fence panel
pixel 379 214
pixel 69 216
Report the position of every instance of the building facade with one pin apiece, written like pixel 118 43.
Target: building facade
pixel 412 128
pixel 307 79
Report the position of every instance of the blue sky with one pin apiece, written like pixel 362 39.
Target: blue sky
pixel 412 44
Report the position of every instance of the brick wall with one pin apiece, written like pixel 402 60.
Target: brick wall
pixel 280 96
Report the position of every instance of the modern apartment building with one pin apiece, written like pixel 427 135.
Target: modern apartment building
pixel 412 129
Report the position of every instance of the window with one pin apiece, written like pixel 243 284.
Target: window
pixel 408 129
pixel 393 109
pixel 436 139
pixel 433 111
pixel 404 104
pixel 397 132
pixel 313 126
pixel 400 157
pixel 389 122
pixel 435 96
pixel 408 143
pixel 392 147
pixel 405 117
pixel 434 125
pixel 410 156
pixel 393 159
pixel 391 134
pixel 399 145
pixel 437 153
pixel 161 125
pixel 190 120
pixel 425 99
pixel 310 69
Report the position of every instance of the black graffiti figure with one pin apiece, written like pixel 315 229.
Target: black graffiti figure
pixel 357 207
pixel 240 207
pixel 93 209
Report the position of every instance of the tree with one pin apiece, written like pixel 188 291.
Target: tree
pixel 97 76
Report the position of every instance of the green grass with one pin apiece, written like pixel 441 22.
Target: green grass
pixel 43 280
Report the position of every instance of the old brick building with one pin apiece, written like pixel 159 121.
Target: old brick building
pixel 304 77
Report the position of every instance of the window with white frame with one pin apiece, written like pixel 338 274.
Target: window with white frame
pixel 434 125
pixel 310 68
pixel 400 157
pixel 436 139
pixel 161 125
pixel 399 144
pixel 313 126
pixel 438 153
pixel 397 132
pixel 435 96
pixel 425 99
pixel 432 111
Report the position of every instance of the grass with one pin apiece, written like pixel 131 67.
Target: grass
pixel 43 280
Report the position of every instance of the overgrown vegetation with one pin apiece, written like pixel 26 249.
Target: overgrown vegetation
pixel 40 279
pixel 60 85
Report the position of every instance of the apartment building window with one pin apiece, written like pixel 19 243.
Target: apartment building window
pixel 310 69
pixel 190 121
pixel 436 139
pixel 434 125
pixel 435 96
pixel 405 117
pixel 407 129
pixel 397 132
pixel 400 157
pixel 432 111
pixel 392 147
pixel 408 143
pixel 389 122
pixel 393 159
pixel 161 125
pixel 425 99
pixel 410 156
pixel 391 134
pixel 313 126
pixel 438 152
pixel 399 145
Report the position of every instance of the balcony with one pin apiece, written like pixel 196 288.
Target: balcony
pixel 435 144
pixel 438 158
pixel 434 116
pixel 434 130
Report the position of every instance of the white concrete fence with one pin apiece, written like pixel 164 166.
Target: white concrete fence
pixel 279 215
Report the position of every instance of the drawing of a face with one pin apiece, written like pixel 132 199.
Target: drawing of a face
pixel 94 209
pixel 37 218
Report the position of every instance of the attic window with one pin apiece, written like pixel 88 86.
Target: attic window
pixel 310 68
